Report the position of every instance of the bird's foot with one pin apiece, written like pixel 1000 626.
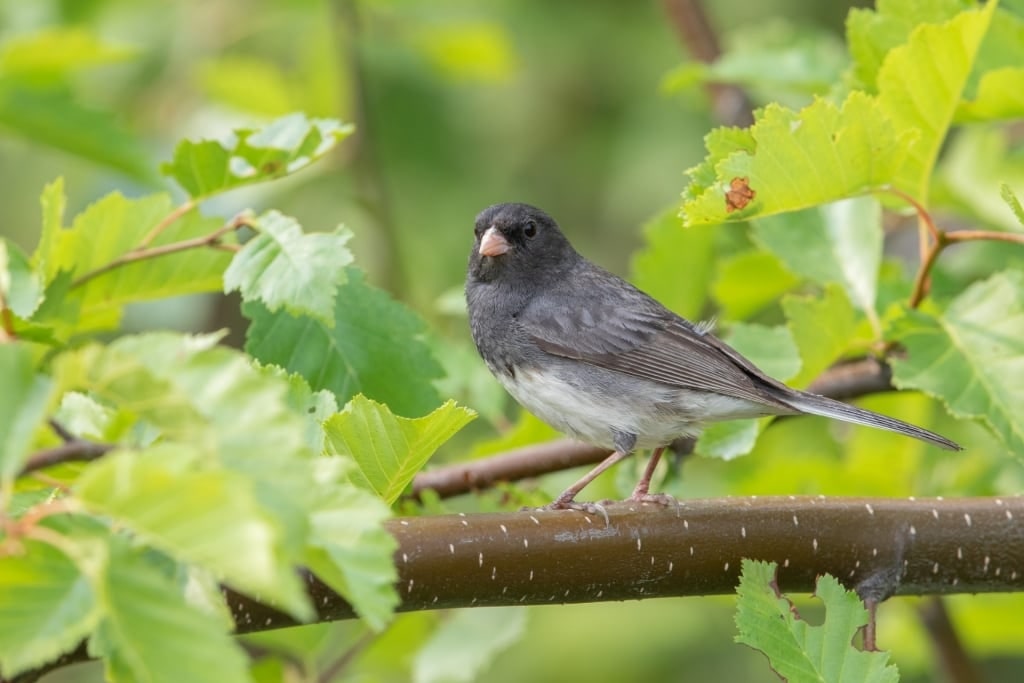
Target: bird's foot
pixel 653 498
pixel 586 508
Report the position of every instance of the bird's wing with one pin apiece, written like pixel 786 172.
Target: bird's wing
pixel 620 328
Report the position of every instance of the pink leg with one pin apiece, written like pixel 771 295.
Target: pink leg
pixel 567 498
pixel 640 493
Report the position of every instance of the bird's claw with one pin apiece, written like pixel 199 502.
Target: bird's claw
pixel 586 508
pixel 654 498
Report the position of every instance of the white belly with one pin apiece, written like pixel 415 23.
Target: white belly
pixel 657 414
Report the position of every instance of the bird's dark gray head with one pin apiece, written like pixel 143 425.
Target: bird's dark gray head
pixel 518 242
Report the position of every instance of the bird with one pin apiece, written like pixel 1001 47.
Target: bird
pixel 605 363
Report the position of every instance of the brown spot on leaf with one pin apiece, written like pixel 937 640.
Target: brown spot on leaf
pixel 739 195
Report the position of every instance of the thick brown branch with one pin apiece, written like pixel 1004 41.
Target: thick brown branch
pixel 880 547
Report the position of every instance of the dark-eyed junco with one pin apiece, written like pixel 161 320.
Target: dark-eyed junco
pixel 601 361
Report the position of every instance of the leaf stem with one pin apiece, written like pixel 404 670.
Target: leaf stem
pixel 7 332
pixel 142 253
pixel 167 221
pixel 921 279
pixel 970 235
pixel 924 218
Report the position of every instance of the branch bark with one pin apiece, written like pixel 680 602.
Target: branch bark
pixel 880 547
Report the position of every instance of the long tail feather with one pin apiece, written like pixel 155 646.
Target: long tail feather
pixel 827 407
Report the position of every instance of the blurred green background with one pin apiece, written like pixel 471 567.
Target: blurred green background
pixel 459 105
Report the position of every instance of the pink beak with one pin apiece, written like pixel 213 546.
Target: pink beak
pixel 493 243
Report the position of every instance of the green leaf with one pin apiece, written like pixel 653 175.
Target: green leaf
pixel 52 117
pixel 750 281
pixel 1011 200
pixel 770 348
pixel 728 440
pixel 920 85
pixel 676 264
pixel 1000 96
pixel 838 243
pixel 970 356
pixel 872 33
pixel 47 257
pixel 21 288
pixel 283 267
pixel 47 606
pixel 526 430
pixel 375 348
pixel 23 404
pixel 109 229
pixel 351 551
pixel 258 85
pixel 210 517
pixel 445 657
pixel 978 161
pixel 823 329
pixel 57 51
pixel 799 652
pixel 85 417
pixel 390 450
pixel 280 148
pixel 315 406
pixel 778 59
pixel 150 632
pixel 121 380
pixel 208 398
pixel 793 160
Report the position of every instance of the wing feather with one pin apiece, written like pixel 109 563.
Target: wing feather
pixel 623 329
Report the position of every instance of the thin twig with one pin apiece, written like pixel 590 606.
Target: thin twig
pixel 166 222
pixel 76 450
pixel 61 431
pixel 369 173
pixel 729 102
pixel 949 648
pixel 331 671
pixel 920 289
pixel 971 235
pixel 923 217
pixel 141 254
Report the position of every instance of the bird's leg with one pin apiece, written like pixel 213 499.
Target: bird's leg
pixel 641 492
pixel 644 484
pixel 567 498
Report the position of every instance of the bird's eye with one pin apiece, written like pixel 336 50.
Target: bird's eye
pixel 531 228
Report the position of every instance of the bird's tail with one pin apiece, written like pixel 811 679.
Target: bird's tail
pixel 827 407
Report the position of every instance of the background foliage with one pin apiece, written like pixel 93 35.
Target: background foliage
pixel 592 111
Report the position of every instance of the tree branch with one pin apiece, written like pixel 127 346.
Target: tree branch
pixel 74 449
pixel 78 450
pixel 729 103
pixel 949 650
pixel 880 547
